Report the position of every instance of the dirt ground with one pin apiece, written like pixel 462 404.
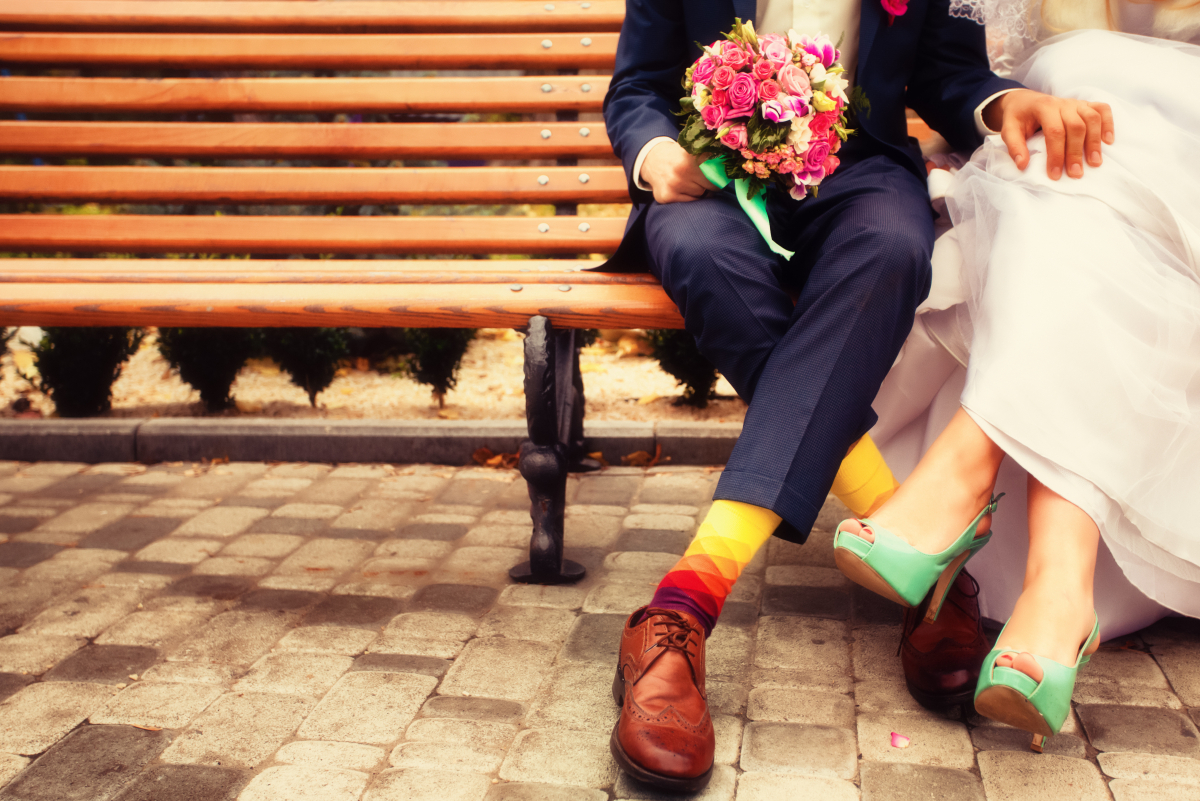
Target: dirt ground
pixel 619 384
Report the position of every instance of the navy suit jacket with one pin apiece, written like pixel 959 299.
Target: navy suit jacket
pixel 927 60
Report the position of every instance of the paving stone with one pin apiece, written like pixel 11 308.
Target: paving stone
pixel 869 609
pixel 651 540
pixel 104 664
pixel 328 556
pixel 1006 738
pixel 21 555
pixel 159 572
pixel 433 626
pixel 11 683
pixel 308 584
pixel 218 588
pixel 1124 695
pixel 499 668
pixel 395 591
pixel 239 729
pixel 586 531
pixel 520 791
pixel 302 783
pixel 465 599
pixel 646 565
pixel 795 643
pixel 1125 790
pixel 294 674
pixel 1010 776
pixel 822 602
pixel 1129 728
pixel 327 640
pixel 234 566
pixel 403 663
pixel 527 623
pixel 214 484
pixel 720 788
pixel 409 487
pixel 693 489
pixel 277 599
pixel 476 733
pixel 72 565
pixel 622 598
pixel 368 707
pixel 1124 667
pixel 272 488
pixel 76 487
pixel 184 550
pixel 469 491
pixel 883 781
pixel 729 731
pixel 591 510
pixel 428 785
pixel 891 696
pixel 606 490
pixel 93 764
pixel 537 756
pixel 10 766
pixel 416 549
pixel 441 532
pixel 21 485
pixel 18 521
pixel 369 472
pixel 86 517
pixel 936 742
pixel 576 696
pixel 806 576
pixel 167 706
pixel 130 533
pixel 441 756
pixel 661 522
pixel 594 638
pixel 305 527
pixel 874 649
pixel 405 570
pixel 1130 765
pixel 792 705
pixel 142 582
pixel 35 653
pixel 728 652
pixel 500 536
pixel 782 787
pixel 221 521
pixel 1180 660
pixel 299 470
pixel 41 714
pixel 473 564
pixel 333 491
pixel 543 596
pixel 331 755
pixel 190 673
pixel 173 507
pixel 233 638
pixel 823 751
pixel 266 546
pixel 726 697
pixel 497 709
pixel 402 644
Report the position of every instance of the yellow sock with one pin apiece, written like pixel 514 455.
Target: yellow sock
pixel 864 481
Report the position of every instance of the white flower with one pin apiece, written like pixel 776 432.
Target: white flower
pixel 700 96
pixel 835 85
pixel 800 135
pixel 817 74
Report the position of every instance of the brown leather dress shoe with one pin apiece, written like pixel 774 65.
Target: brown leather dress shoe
pixel 664 736
pixel 942 659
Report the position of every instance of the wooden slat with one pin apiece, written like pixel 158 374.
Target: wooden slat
pixel 316 185
pixel 323 271
pixel 434 16
pixel 419 140
pixel 425 95
pixel 325 51
pixel 202 234
pixel 252 305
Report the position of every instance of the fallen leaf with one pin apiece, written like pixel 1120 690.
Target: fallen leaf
pixel 599 457
pixel 484 457
pixel 249 407
pixel 645 399
pixel 642 458
pixel 633 345
pixel 347 390
pixel 448 414
pixel 146 728
pixel 900 741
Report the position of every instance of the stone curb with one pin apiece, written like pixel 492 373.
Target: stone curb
pixel 449 442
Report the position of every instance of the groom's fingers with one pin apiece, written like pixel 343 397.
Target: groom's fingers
pixel 1095 132
pixel 1053 127
pixel 1107 129
pixel 1077 133
pixel 1013 134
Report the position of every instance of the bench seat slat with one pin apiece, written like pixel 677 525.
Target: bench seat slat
pixel 302 271
pixel 436 16
pixel 137 233
pixel 422 95
pixel 374 305
pixel 316 184
pixel 313 51
pixel 412 140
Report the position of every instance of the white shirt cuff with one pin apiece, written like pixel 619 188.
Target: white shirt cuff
pixel 646 148
pixel 979 123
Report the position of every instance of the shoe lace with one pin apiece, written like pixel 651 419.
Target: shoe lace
pixel 676 633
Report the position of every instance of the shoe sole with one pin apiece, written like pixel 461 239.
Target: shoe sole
pixel 1006 705
pixel 672 784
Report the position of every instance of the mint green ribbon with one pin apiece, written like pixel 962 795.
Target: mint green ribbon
pixel 755 207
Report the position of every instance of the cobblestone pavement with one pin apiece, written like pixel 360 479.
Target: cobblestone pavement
pixel 302 632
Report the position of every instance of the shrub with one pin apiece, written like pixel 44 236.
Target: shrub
pixel 79 365
pixel 209 358
pixel 678 355
pixel 310 355
pixel 436 353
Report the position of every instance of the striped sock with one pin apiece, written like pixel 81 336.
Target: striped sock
pixel 730 535
pixel 864 481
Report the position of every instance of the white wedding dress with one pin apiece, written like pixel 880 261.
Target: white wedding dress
pixel 1081 315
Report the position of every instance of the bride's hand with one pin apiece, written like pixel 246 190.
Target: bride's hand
pixel 1072 128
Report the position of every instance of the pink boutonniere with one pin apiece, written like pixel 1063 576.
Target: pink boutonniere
pixel 894 8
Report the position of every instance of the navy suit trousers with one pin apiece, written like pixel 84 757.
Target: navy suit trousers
pixel 809 369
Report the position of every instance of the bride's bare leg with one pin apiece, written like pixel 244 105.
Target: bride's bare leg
pixel 1054 614
pixel 953 481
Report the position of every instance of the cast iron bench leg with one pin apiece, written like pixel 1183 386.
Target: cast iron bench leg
pixel 544 454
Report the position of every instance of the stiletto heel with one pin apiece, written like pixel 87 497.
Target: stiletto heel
pixel 899 572
pixel 1040 707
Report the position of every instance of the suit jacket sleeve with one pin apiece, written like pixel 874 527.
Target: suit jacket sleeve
pixel 643 96
pixel 951 76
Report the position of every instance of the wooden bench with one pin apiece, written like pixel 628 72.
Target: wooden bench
pixel 114 82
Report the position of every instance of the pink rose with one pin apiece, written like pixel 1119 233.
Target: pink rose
pixel 736 137
pixel 818 151
pixel 835 143
pixel 722 77
pixel 821 123
pixel 713 115
pixel 773 158
pixel 704 70
pixel 775 49
pixel 733 55
pixel 763 69
pixel 896 9
pixel 774 111
pixel 795 81
pixel 720 97
pixel 768 90
pixel 831 164
pixel 742 95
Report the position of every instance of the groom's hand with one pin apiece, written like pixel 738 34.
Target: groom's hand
pixel 1072 128
pixel 673 174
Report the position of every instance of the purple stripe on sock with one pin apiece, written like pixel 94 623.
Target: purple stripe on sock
pixel 678 600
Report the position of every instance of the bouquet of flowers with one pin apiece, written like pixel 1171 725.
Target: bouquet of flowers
pixel 772 106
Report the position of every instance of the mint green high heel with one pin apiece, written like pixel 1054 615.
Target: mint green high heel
pixel 1039 707
pixel 899 572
